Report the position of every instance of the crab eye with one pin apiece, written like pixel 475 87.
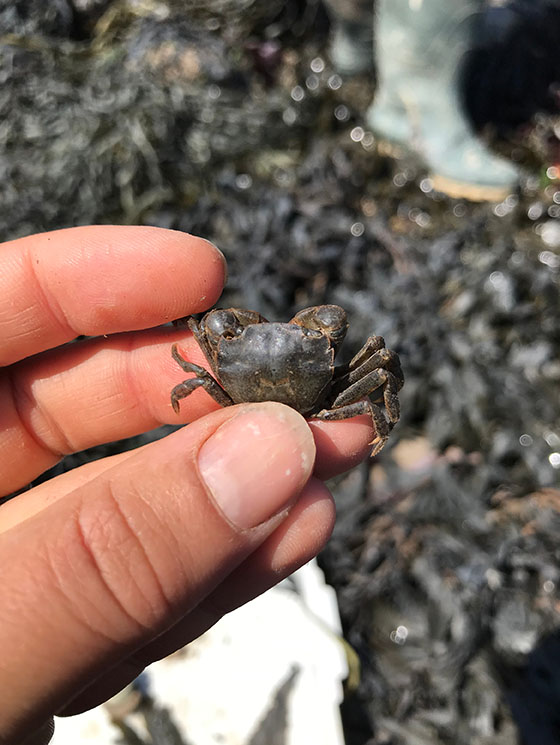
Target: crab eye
pixel 311 332
pixel 331 317
pixel 223 323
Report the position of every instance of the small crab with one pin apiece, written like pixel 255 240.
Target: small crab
pixel 293 363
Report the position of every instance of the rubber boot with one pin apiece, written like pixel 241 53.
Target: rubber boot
pixel 351 45
pixel 419 47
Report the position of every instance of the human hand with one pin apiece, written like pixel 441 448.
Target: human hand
pixel 115 564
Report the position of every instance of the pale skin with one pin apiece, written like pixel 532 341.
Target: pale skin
pixel 126 559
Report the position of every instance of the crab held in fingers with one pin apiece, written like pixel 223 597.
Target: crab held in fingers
pixel 293 363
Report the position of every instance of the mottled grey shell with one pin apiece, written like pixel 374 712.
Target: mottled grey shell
pixel 276 362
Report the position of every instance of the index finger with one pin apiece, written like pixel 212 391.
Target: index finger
pixel 100 280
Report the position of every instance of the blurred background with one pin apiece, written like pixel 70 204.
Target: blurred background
pixel 251 124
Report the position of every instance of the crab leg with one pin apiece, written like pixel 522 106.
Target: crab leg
pixel 383 360
pixel 369 384
pixel 373 344
pixel 203 379
pixel 201 341
pixel 381 426
pixel 362 365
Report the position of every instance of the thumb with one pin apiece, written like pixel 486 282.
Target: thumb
pixel 114 563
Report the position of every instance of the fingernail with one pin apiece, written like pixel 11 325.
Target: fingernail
pixel 42 736
pixel 256 464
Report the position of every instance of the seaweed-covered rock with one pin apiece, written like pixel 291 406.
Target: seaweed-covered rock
pixel 31 17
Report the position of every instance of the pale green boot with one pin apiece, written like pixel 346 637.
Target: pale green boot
pixel 351 45
pixel 419 46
